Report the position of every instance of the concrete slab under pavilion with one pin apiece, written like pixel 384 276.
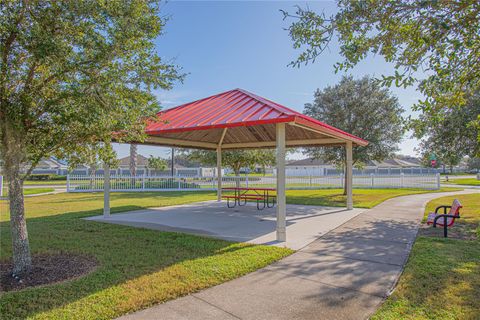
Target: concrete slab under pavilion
pixel 304 224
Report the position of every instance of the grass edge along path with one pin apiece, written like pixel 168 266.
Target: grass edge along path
pixel 464 182
pixel 441 279
pixel 30 191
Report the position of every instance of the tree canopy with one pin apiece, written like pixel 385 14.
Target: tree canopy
pixel 157 163
pixel 362 108
pixel 71 74
pixel 453 135
pixel 235 159
pixel 434 44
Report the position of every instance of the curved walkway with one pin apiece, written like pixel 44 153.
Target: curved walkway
pixel 345 274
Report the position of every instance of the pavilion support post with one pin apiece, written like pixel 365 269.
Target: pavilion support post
pixel 281 202
pixel 349 172
pixel 219 174
pixel 106 190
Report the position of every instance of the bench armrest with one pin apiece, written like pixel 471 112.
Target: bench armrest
pixel 442 207
pixel 444 216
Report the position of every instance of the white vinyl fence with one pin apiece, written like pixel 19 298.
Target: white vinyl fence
pixel 82 183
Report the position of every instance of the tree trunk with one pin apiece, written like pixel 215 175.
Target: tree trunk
pixel 93 171
pixel 133 159
pixel 237 175
pixel 22 260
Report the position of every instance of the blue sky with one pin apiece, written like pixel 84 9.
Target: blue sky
pixel 223 45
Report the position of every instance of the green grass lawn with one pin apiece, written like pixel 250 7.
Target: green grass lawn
pixel 362 198
pixel 442 277
pixel 137 267
pixel 468 181
pixel 46 182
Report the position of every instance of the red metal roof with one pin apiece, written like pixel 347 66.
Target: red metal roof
pixel 235 108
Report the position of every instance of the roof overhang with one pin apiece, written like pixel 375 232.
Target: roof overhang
pixel 299 134
pixel 238 119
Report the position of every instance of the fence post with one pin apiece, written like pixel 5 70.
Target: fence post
pixel 373 179
pixel 179 183
pixel 1 186
pixel 401 180
pixel 438 180
pixel 246 180
pixel 310 181
pixel 143 180
pixel 68 183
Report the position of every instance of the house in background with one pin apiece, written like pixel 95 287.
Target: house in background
pixel 51 166
pixel 179 169
pixel 317 167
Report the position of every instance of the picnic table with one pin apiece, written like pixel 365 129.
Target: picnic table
pixel 241 195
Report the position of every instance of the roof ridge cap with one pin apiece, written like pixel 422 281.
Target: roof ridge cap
pixel 269 102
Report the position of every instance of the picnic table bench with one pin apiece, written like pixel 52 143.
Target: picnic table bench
pixel 242 195
pixel 446 219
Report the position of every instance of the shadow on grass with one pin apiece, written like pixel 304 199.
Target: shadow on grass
pixel 123 253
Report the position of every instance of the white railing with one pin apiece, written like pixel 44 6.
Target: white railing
pixel 82 183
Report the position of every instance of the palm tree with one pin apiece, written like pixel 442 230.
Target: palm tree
pixel 133 159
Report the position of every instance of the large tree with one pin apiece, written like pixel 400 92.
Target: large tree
pixel 235 159
pixel 452 135
pixel 157 163
pixel 360 107
pixel 71 73
pixel 433 44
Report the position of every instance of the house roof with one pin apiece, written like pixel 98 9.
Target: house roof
pixel 250 120
pixel 141 161
pixel 51 163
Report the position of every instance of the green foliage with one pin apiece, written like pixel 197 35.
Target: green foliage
pixel 73 72
pixel 47 177
pixel 235 159
pixel 363 108
pixel 452 135
pixel 473 164
pixel 434 44
pixel 157 163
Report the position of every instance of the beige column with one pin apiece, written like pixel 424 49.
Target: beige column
pixel 219 174
pixel 281 201
pixel 349 172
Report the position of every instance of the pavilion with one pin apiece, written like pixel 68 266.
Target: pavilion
pixel 238 119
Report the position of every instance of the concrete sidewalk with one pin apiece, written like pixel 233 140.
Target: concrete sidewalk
pixel 345 274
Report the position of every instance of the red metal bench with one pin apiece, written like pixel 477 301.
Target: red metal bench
pixel 446 219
